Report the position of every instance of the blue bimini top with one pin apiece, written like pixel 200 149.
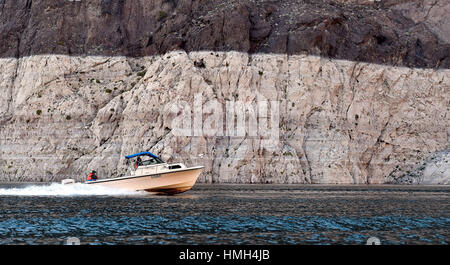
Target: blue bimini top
pixel 141 154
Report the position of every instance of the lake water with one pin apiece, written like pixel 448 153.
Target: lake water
pixel 225 214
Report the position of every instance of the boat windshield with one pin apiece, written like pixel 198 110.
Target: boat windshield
pixel 151 161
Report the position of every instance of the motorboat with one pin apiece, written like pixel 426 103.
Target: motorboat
pixel 152 174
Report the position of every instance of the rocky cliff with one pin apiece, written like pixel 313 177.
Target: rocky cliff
pixel 398 32
pixel 257 91
pixel 337 122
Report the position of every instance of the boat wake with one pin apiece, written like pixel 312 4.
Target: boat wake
pixel 57 189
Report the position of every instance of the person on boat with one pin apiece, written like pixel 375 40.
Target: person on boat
pixel 92 176
pixel 138 163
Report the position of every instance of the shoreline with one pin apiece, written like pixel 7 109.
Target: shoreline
pixel 273 185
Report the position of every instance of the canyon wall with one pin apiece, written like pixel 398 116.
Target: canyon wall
pixel 328 121
pixel 292 91
pixel 413 33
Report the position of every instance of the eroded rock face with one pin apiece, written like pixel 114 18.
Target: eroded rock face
pixel 437 168
pixel 413 33
pixel 339 121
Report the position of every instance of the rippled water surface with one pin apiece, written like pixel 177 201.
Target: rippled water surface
pixel 226 214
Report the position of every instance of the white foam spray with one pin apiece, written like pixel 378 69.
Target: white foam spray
pixel 57 189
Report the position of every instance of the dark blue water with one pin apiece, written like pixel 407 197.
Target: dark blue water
pixel 232 214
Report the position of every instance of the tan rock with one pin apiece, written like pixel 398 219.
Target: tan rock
pixel 339 121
